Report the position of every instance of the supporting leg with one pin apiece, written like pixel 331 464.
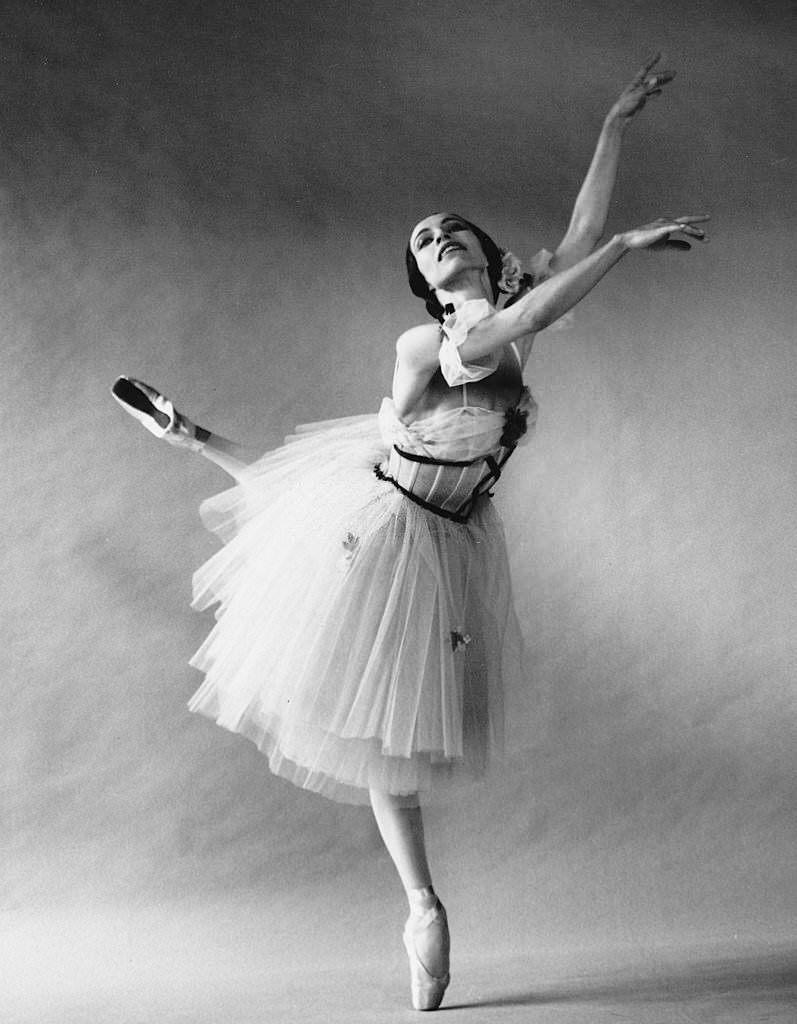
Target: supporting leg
pixel 400 823
pixel 401 826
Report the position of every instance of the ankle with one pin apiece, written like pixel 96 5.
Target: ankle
pixel 183 433
pixel 422 900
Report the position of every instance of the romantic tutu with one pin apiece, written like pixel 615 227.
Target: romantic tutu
pixel 362 639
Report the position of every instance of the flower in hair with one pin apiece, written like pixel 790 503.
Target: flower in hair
pixel 511 275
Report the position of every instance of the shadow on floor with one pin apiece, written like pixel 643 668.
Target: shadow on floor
pixel 772 975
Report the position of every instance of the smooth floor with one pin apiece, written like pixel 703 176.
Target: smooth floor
pixel 225 963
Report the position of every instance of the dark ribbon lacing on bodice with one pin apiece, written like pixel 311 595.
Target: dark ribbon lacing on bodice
pixel 514 428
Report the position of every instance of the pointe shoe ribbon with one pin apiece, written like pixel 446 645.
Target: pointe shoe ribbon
pixel 157 414
pixel 427 989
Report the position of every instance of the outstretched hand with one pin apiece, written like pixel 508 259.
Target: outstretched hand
pixel 658 234
pixel 645 83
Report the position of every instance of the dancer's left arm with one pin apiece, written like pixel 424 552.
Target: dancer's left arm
pixel 588 220
pixel 540 306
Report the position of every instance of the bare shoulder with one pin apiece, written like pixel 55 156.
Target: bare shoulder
pixel 418 347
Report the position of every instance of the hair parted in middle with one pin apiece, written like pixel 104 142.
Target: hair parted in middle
pixel 420 286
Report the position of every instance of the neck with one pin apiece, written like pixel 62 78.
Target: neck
pixel 473 284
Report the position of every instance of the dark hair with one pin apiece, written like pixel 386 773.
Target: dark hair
pixel 420 286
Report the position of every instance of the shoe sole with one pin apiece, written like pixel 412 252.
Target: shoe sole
pixel 129 394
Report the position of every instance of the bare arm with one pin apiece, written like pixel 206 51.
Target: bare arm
pixel 588 220
pixel 418 348
pixel 540 306
pixel 417 352
pixel 549 300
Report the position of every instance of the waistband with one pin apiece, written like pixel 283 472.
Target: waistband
pixel 449 489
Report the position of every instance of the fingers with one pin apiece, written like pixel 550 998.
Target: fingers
pixel 652 83
pixel 662 231
pixel 687 226
pixel 687 229
pixel 651 62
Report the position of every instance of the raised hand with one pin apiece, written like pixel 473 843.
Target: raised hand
pixel 658 234
pixel 646 83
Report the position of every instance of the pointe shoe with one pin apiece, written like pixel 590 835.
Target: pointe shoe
pixel 427 989
pixel 157 414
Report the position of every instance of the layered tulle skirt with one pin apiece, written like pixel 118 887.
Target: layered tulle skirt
pixel 361 640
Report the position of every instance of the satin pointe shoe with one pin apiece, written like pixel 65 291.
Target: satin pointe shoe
pixel 157 414
pixel 427 989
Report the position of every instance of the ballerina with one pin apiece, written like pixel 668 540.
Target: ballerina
pixel 365 633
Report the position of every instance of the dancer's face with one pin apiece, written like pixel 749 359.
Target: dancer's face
pixel 444 246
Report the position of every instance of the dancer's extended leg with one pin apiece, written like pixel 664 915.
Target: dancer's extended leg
pixel 400 823
pixel 158 414
pixel 228 455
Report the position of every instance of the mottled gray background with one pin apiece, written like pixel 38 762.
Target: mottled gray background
pixel 215 197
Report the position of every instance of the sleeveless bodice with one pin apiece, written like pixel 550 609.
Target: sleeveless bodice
pixel 463 432
pixel 443 459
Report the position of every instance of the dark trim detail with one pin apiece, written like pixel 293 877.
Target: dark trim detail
pixel 514 428
pixel 455 517
pixel 434 462
pixel 462 514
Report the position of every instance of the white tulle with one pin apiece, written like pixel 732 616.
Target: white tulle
pixel 361 640
pixel 455 331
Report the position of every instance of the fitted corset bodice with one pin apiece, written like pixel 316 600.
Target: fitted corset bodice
pixel 447 460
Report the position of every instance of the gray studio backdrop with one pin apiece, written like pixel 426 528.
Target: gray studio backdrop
pixel 216 198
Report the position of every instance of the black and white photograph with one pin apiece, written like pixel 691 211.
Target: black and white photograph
pixel 399 487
